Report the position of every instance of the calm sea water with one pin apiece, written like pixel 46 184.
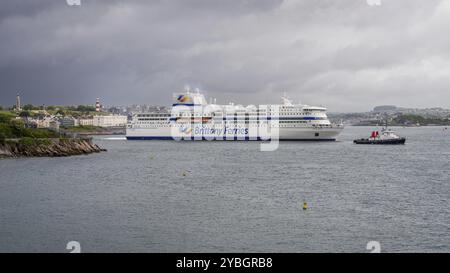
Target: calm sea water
pixel 233 198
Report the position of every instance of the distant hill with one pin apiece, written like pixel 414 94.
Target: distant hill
pixel 385 108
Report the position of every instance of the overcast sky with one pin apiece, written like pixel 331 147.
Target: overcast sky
pixel 346 54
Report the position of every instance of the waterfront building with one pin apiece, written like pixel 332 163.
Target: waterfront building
pixel 54 125
pixel 110 121
pixel 86 122
pixel 68 122
pixel 43 122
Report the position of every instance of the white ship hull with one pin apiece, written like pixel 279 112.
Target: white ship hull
pixel 293 134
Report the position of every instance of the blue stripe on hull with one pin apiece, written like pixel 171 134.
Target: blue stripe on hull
pixel 148 138
pixel 235 139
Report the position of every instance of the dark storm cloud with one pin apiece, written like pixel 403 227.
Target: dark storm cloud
pixel 25 7
pixel 343 54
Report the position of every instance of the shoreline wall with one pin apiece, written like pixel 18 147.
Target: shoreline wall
pixel 48 148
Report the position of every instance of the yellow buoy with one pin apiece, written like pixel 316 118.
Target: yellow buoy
pixel 305 206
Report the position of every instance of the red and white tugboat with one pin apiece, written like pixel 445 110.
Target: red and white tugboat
pixel 387 136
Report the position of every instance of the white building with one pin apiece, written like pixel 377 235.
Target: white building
pixel 110 121
pixel 68 122
pixel 86 122
pixel 41 122
pixel 54 125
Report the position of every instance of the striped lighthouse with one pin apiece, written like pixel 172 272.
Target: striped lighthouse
pixel 98 106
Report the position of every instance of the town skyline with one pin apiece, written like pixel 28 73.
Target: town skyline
pixel 93 104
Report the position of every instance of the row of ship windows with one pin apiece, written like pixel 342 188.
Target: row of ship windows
pixel 153 119
pixel 298 114
pixel 232 122
pixel 249 125
pixel 215 119
pixel 165 116
pixel 167 125
pixel 154 115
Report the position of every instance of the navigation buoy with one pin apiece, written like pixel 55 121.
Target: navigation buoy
pixel 305 206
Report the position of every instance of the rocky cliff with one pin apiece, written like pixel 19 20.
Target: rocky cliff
pixel 48 148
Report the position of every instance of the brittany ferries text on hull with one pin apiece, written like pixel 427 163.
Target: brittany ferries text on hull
pixel 192 118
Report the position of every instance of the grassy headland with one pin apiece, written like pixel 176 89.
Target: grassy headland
pixel 13 128
pixel 14 132
pixel 18 140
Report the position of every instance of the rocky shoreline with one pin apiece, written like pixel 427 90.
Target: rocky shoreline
pixel 48 148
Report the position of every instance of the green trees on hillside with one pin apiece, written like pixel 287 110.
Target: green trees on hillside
pixel 410 119
pixel 10 127
pixel 85 108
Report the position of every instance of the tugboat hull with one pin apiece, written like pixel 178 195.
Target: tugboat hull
pixel 380 141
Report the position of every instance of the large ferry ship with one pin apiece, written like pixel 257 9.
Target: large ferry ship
pixel 193 118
